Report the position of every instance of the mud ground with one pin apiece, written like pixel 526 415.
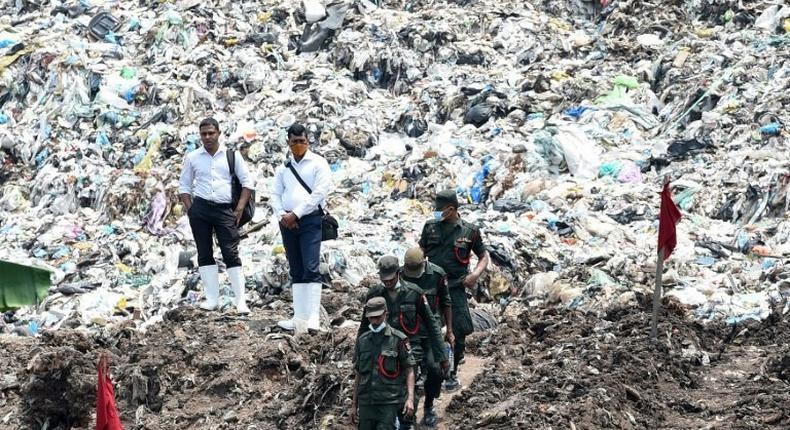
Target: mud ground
pixel 562 369
pixel 541 369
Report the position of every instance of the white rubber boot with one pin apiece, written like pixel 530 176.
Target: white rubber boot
pixel 297 290
pixel 236 275
pixel 314 306
pixel 209 275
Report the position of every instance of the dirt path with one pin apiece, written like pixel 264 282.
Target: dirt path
pixel 469 370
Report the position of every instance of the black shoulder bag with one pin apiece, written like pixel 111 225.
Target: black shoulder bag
pixel 328 222
pixel 235 187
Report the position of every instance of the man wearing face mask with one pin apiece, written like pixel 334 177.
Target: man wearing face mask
pixel 298 198
pixel 433 282
pixel 205 192
pixel 409 312
pixel 448 241
pixel 383 372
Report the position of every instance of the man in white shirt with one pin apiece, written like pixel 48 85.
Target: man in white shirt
pixel 205 191
pixel 300 213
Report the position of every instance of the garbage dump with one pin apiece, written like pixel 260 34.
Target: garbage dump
pixel 555 122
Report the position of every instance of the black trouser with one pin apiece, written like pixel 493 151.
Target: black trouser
pixel 205 218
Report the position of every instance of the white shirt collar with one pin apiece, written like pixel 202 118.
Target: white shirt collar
pixel 220 150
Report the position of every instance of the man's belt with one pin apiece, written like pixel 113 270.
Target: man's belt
pixel 214 204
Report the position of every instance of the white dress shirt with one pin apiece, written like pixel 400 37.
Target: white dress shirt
pixel 289 195
pixel 208 177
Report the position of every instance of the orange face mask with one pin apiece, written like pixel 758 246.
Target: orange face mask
pixel 298 150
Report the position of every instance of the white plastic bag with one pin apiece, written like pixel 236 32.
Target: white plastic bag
pixel 314 11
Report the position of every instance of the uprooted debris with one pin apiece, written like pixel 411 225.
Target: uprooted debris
pixel 569 369
pixel 563 369
pixel 192 371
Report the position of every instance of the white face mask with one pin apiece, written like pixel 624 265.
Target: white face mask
pixel 376 329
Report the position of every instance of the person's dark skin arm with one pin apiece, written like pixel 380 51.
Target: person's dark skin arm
pixel 449 336
pixel 244 197
pixel 482 263
pixel 408 408
pixel 447 310
pixel 290 221
pixel 186 200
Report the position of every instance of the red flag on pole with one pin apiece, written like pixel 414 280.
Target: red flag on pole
pixel 107 417
pixel 668 219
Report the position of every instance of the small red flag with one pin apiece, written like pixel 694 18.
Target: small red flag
pixel 669 217
pixel 107 417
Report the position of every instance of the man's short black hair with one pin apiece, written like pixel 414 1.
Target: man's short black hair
pixel 209 122
pixel 297 130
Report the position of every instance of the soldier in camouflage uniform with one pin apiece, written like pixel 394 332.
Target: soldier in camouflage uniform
pixel 433 282
pixel 383 372
pixel 409 312
pixel 448 241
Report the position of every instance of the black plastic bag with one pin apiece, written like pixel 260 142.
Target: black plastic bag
pixel 478 114
pixel 681 149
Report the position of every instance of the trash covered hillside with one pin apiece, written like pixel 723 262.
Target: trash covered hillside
pixel 555 121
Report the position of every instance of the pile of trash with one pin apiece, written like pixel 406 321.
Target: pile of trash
pixel 556 123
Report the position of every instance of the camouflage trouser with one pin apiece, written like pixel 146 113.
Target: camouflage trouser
pixel 377 417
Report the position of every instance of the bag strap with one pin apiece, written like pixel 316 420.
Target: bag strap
pixel 301 181
pixel 298 178
pixel 231 155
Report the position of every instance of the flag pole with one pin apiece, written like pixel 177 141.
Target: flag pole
pixel 657 291
pixel 657 295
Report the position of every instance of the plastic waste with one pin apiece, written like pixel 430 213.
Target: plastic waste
pixel 103 24
pixel 610 168
pixel 22 285
pixel 580 154
pixel 478 114
pixel 559 178
pixel 450 356
pixel 772 129
pixel 315 34
pixel 314 10
pixel 680 149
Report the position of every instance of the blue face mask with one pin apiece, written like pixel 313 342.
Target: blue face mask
pixel 438 215
pixel 376 329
